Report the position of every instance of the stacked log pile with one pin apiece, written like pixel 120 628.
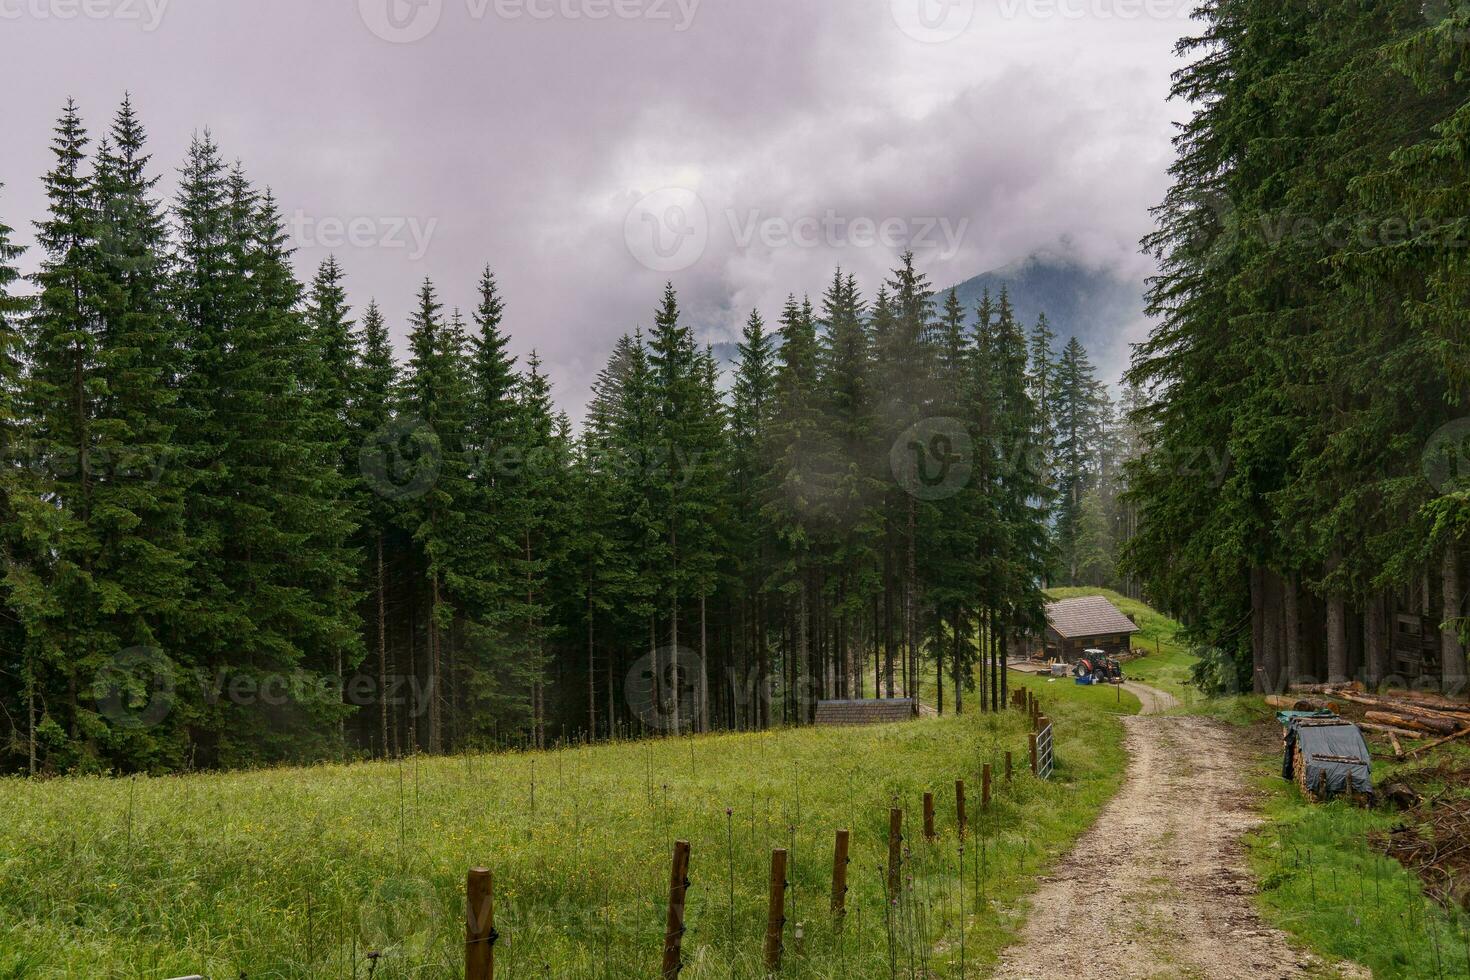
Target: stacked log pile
pixel 1401 714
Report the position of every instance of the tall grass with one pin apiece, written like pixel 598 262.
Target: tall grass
pixel 1323 881
pixel 358 870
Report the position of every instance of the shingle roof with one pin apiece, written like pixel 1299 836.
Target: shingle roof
pixel 1088 616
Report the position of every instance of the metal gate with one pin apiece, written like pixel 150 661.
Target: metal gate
pixel 1044 759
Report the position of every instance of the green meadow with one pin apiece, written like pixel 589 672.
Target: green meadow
pixel 358 870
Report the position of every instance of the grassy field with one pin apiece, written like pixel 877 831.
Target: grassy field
pixel 298 873
pixel 1166 659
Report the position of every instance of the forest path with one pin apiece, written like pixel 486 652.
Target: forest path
pixel 1159 887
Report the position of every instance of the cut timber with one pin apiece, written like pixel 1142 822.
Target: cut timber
pixel 1389 730
pixel 1437 726
pixel 1287 702
pixel 1438 742
pixel 1325 688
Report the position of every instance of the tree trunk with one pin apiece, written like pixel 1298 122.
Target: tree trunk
pixel 591 670
pixel 1296 671
pixel 434 719
pixel 1376 639
pixel 1258 630
pixel 1452 653
pixel 1337 652
pixel 703 669
pixel 799 708
pixel 382 652
pixel 939 663
pixel 1271 636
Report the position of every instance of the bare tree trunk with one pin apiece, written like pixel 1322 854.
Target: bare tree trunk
pixel 955 663
pixel 803 639
pixel 31 712
pixel 939 663
pixel 1272 630
pixel 1452 653
pixel 1376 639
pixel 591 672
pixel 382 654
pixel 703 669
pixel 1258 630
pixel 912 609
pixel 1292 614
pixel 1337 652
pixel 434 720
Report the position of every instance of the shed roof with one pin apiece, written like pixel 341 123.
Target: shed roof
pixel 1087 616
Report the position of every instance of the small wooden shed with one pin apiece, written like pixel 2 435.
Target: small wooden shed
pixel 1088 623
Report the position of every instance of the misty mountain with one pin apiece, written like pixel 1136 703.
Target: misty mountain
pixel 1101 308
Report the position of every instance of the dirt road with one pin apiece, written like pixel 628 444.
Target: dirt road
pixel 1159 887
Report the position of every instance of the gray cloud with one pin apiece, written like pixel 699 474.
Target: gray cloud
pixel 523 141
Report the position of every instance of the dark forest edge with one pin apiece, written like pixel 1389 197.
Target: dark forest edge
pixel 236 531
pixel 1311 304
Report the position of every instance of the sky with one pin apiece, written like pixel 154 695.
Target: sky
pixel 589 151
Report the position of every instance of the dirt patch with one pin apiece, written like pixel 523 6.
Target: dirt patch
pixel 1159 887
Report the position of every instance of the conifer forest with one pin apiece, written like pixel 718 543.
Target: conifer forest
pixel 242 527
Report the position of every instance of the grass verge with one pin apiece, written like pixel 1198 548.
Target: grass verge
pixel 297 873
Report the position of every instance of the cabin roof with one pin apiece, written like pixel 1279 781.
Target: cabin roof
pixel 1087 616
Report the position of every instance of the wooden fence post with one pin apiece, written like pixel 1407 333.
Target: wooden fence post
pixel 776 913
pixel 895 852
pixel 985 788
pixel 674 932
pixel 1008 767
pixel 839 877
pixel 479 934
pixel 929 816
pixel 959 807
pixel 1032 740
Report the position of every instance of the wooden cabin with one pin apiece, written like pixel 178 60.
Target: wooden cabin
pixel 1088 623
